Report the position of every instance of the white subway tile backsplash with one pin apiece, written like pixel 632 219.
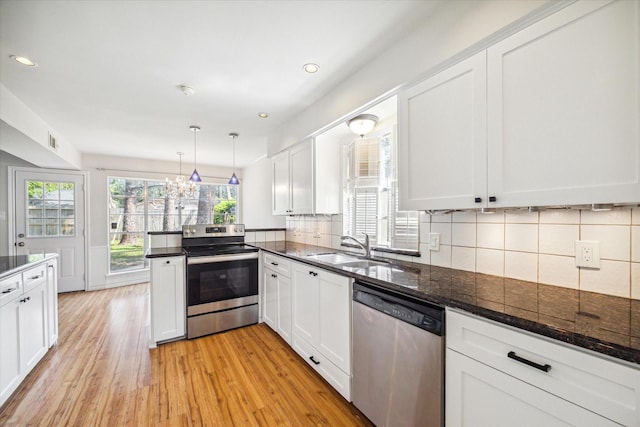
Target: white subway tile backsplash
pixel 635 280
pixel 558 239
pixel 522 217
pixel 250 237
pixel 614 240
pixel 442 258
pixel 558 270
pixel 174 240
pixel 521 237
pixel 158 241
pixel 490 261
pixel 463 258
pixel 617 216
pixel 425 255
pixel 613 278
pixel 560 216
pixel 261 236
pixel 635 243
pixel 490 236
pixel 424 230
pixel 463 234
pixel 494 218
pixel 441 218
pixel 521 265
pixel 270 236
pixel 280 235
pixel 466 216
pixel 635 216
pixel 444 229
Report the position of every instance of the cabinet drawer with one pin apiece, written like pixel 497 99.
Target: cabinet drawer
pixel 34 276
pixel 278 264
pixel 10 287
pixel 600 384
pixel 338 379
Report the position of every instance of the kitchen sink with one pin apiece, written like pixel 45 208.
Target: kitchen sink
pixel 362 263
pixel 344 260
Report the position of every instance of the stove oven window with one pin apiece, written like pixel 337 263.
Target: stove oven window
pixel 219 281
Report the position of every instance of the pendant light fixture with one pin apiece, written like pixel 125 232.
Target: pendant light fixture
pixel 180 189
pixel 195 176
pixel 362 124
pixel 234 178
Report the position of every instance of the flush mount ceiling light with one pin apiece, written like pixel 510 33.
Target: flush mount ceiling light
pixel 234 179
pixel 263 115
pixel 311 68
pixel 23 60
pixel 195 176
pixel 187 90
pixel 362 124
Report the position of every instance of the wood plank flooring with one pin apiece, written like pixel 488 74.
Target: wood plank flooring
pixel 101 373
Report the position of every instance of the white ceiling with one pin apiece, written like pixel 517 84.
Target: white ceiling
pixel 108 71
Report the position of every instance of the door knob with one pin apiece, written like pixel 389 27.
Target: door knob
pixel 21 244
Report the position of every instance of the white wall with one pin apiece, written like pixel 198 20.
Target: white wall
pixel 256 196
pixel 456 26
pixel 6 160
pixel 101 167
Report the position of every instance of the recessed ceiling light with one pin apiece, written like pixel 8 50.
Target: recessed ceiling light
pixel 23 60
pixel 311 67
pixel 263 115
pixel 187 90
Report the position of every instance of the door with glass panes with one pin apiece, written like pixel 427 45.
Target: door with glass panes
pixel 49 217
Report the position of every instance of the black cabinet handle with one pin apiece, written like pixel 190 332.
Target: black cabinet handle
pixel 25 299
pixel 168 262
pixel 274 275
pixel 34 277
pixel 492 198
pixel 512 355
pixel 478 200
pixel 315 362
pixel 50 265
pixel 314 274
pixel 8 291
pixel 274 263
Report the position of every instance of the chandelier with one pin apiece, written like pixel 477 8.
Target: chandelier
pixel 180 189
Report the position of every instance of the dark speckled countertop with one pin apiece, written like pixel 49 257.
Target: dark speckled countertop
pixel 13 264
pixel 164 252
pixel 606 324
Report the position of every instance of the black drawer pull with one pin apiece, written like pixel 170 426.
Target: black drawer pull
pixel 274 275
pixel 274 263
pixel 512 355
pixel 315 362
pixel 35 277
pixel 478 200
pixel 25 299
pixel 493 199
pixel 313 273
pixel 8 291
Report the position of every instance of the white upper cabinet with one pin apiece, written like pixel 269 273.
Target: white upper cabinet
pixel 563 109
pixel 442 138
pixel 554 122
pixel 306 179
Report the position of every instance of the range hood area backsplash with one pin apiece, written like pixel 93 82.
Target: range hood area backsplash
pixel 531 246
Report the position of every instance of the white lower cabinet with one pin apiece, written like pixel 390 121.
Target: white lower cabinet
pixel 24 326
pixel 168 299
pixel 501 376
pixel 52 301
pixel 322 323
pixel 276 300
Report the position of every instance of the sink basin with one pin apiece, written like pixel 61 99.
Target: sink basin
pixel 344 260
pixel 334 258
pixel 362 263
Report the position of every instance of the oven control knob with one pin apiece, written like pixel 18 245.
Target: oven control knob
pixel 193 230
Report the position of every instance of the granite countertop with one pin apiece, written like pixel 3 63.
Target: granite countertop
pixel 606 324
pixel 164 252
pixel 13 264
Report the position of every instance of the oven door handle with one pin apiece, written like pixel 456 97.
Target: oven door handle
pixel 221 258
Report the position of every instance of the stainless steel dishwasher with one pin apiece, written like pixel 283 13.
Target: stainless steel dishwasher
pixel 398 358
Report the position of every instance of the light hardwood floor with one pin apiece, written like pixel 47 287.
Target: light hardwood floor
pixel 101 373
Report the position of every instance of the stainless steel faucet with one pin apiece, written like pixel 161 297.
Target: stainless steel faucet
pixel 365 246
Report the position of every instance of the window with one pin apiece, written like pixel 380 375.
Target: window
pixel 51 209
pixel 137 206
pixel 371 195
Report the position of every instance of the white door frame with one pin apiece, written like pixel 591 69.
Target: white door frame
pixel 11 209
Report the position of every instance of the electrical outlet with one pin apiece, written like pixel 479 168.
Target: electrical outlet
pixel 588 253
pixel 434 242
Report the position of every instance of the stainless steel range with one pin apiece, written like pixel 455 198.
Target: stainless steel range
pixel 222 278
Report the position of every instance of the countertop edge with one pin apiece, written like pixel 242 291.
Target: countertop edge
pixel 45 257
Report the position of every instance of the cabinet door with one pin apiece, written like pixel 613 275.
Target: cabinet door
pixel 9 349
pixel 478 395
pixel 284 308
pixel 301 166
pixel 32 326
pixel 305 302
pixel 563 109
pixel 334 335
pixel 442 139
pixel 167 298
pixel 281 203
pixel 52 301
pixel 270 299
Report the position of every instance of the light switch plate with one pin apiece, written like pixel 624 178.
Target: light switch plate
pixel 434 242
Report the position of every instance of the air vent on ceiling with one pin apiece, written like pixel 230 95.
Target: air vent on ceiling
pixel 52 142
